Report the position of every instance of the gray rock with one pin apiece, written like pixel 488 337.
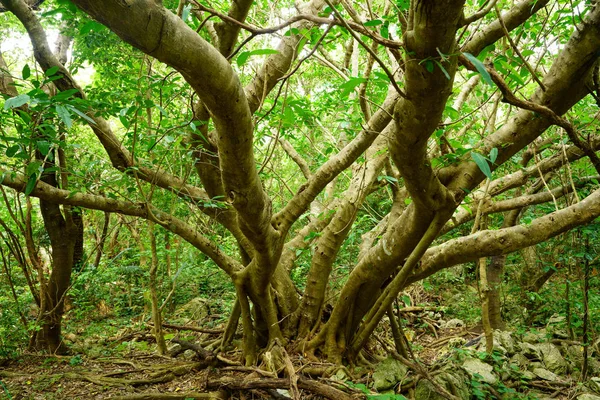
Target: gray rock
pixel 505 339
pixel 556 319
pixel 519 360
pixel 593 366
pixel 189 354
pixel 454 323
pixel 594 384
pixel 545 374
pixel 534 337
pixel 474 366
pixel 535 364
pixel 528 375
pixel 559 333
pixel 456 342
pixel 552 358
pixel 497 347
pixel 196 309
pixel 388 373
pixel 588 396
pixel 530 351
pixel 455 383
pixel 174 350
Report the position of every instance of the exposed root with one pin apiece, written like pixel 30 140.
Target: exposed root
pixel 191 328
pixel 321 389
pixel 178 396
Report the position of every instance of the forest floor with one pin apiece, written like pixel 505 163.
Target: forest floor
pixel 133 371
pixel 115 358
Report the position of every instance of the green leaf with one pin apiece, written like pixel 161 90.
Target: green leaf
pixel 12 150
pixel 480 68
pixel 390 179
pixel 82 115
pixel 43 146
pixel 91 26
pixel 428 65
pixel 17 101
pixel 51 71
pixel 65 94
pixel 348 86
pixel 446 74
pixel 385 30
pixel 373 22
pixel 64 115
pixel 162 110
pixel 493 155
pixel 33 168
pixel 30 184
pixel 482 163
pixel 26 73
pixel 243 57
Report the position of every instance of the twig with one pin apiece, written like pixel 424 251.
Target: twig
pixel 368 49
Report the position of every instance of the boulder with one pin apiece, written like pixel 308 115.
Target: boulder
pixel 519 360
pixel 528 375
pixel 594 384
pixel 388 373
pixel 573 353
pixel 474 366
pixel 196 309
pixel 454 323
pixel 189 355
pixel 454 382
pixel 530 351
pixel 506 340
pixel 552 358
pixel 588 396
pixel 545 374
pixel 534 337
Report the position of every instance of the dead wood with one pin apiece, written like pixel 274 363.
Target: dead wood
pixel 231 383
pixel 169 396
pixel 190 328
pixel 202 352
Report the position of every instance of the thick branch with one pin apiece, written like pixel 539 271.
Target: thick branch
pixel 161 34
pixel 512 19
pixel 227 31
pixel 418 116
pixel 504 241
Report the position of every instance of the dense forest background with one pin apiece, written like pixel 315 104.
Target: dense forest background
pixel 311 199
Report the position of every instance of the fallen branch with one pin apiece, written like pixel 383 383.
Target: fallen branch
pixel 96 379
pixel 190 328
pixel 202 353
pixel 178 396
pixel 231 383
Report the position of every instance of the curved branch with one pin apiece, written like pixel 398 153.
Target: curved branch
pixel 161 34
pixel 479 14
pixel 512 19
pixel 228 31
pixel 44 191
pixel 503 241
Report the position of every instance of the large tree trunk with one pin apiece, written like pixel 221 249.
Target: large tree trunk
pixel 64 234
